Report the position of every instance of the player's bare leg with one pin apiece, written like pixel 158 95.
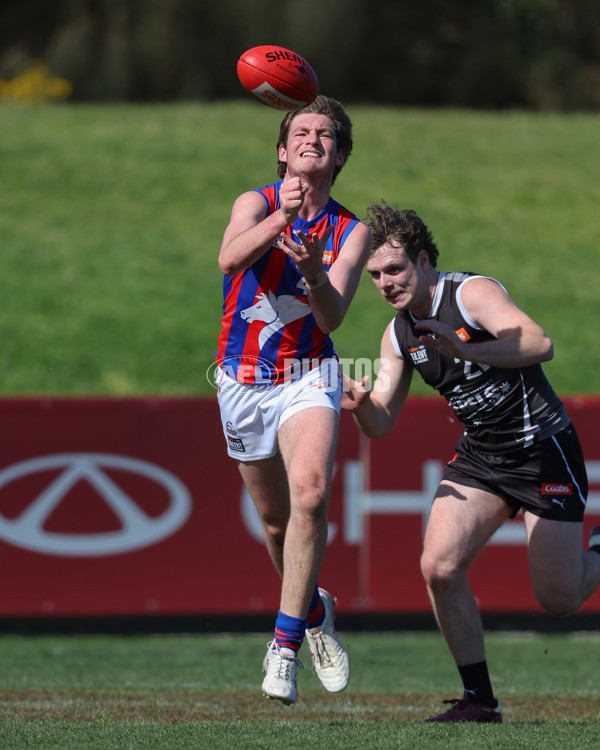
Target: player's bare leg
pixel 562 575
pixel 267 483
pixel 307 447
pixel 462 520
pixel 307 442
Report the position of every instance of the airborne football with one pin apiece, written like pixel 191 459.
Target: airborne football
pixel 277 77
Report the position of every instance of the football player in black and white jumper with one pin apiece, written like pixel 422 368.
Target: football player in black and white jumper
pixel 468 339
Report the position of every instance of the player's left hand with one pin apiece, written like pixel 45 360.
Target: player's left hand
pixel 307 256
pixel 442 337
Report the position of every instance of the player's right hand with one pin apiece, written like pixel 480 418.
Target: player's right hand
pixel 354 394
pixel 291 198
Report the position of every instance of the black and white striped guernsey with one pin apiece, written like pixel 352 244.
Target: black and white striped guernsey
pixel 501 408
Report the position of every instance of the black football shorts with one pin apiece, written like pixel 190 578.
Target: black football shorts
pixel 548 479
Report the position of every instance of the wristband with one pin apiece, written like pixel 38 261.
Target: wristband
pixel 318 280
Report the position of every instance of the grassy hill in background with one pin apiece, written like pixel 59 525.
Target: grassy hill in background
pixel 111 219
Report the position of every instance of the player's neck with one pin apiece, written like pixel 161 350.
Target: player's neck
pixel 422 308
pixel 315 200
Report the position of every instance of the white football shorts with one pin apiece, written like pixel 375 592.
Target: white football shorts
pixel 252 414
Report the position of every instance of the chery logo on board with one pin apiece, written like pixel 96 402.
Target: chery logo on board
pixel 138 529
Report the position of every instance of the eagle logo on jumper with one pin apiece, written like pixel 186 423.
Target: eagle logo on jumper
pixel 275 311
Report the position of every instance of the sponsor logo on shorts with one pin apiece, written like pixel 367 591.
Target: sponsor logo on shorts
pixel 235 444
pixel 557 488
pixel 418 354
pixel 230 429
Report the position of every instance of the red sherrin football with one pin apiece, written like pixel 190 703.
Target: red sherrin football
pixel 278 77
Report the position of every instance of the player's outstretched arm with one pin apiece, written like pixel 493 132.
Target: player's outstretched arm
pixel 376 410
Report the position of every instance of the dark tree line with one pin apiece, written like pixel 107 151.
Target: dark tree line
pixel 539 54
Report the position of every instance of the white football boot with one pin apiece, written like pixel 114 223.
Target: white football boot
pixel 330 660
pixel 280 677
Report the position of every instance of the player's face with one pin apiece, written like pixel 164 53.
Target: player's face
pixel 311 145
pixel 403 284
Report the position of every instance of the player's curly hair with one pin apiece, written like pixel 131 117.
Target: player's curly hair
pixel 322 105
pixel 402 226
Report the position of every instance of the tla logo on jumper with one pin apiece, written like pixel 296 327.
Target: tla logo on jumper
pixel 137 528
pixel 418 354
pixel 557 488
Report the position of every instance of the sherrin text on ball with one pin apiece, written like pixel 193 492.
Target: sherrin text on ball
pixel 277 77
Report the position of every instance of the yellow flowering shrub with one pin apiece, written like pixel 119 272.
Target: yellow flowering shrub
pixel 35 85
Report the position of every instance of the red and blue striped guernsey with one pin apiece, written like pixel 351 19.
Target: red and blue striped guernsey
pixel 267 323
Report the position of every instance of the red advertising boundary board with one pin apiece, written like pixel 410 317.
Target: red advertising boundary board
pixel 125 507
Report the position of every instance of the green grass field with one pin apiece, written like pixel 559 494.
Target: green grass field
pixel 111 219
pixel 75 693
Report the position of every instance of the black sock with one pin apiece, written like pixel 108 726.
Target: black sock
pixel 476 681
